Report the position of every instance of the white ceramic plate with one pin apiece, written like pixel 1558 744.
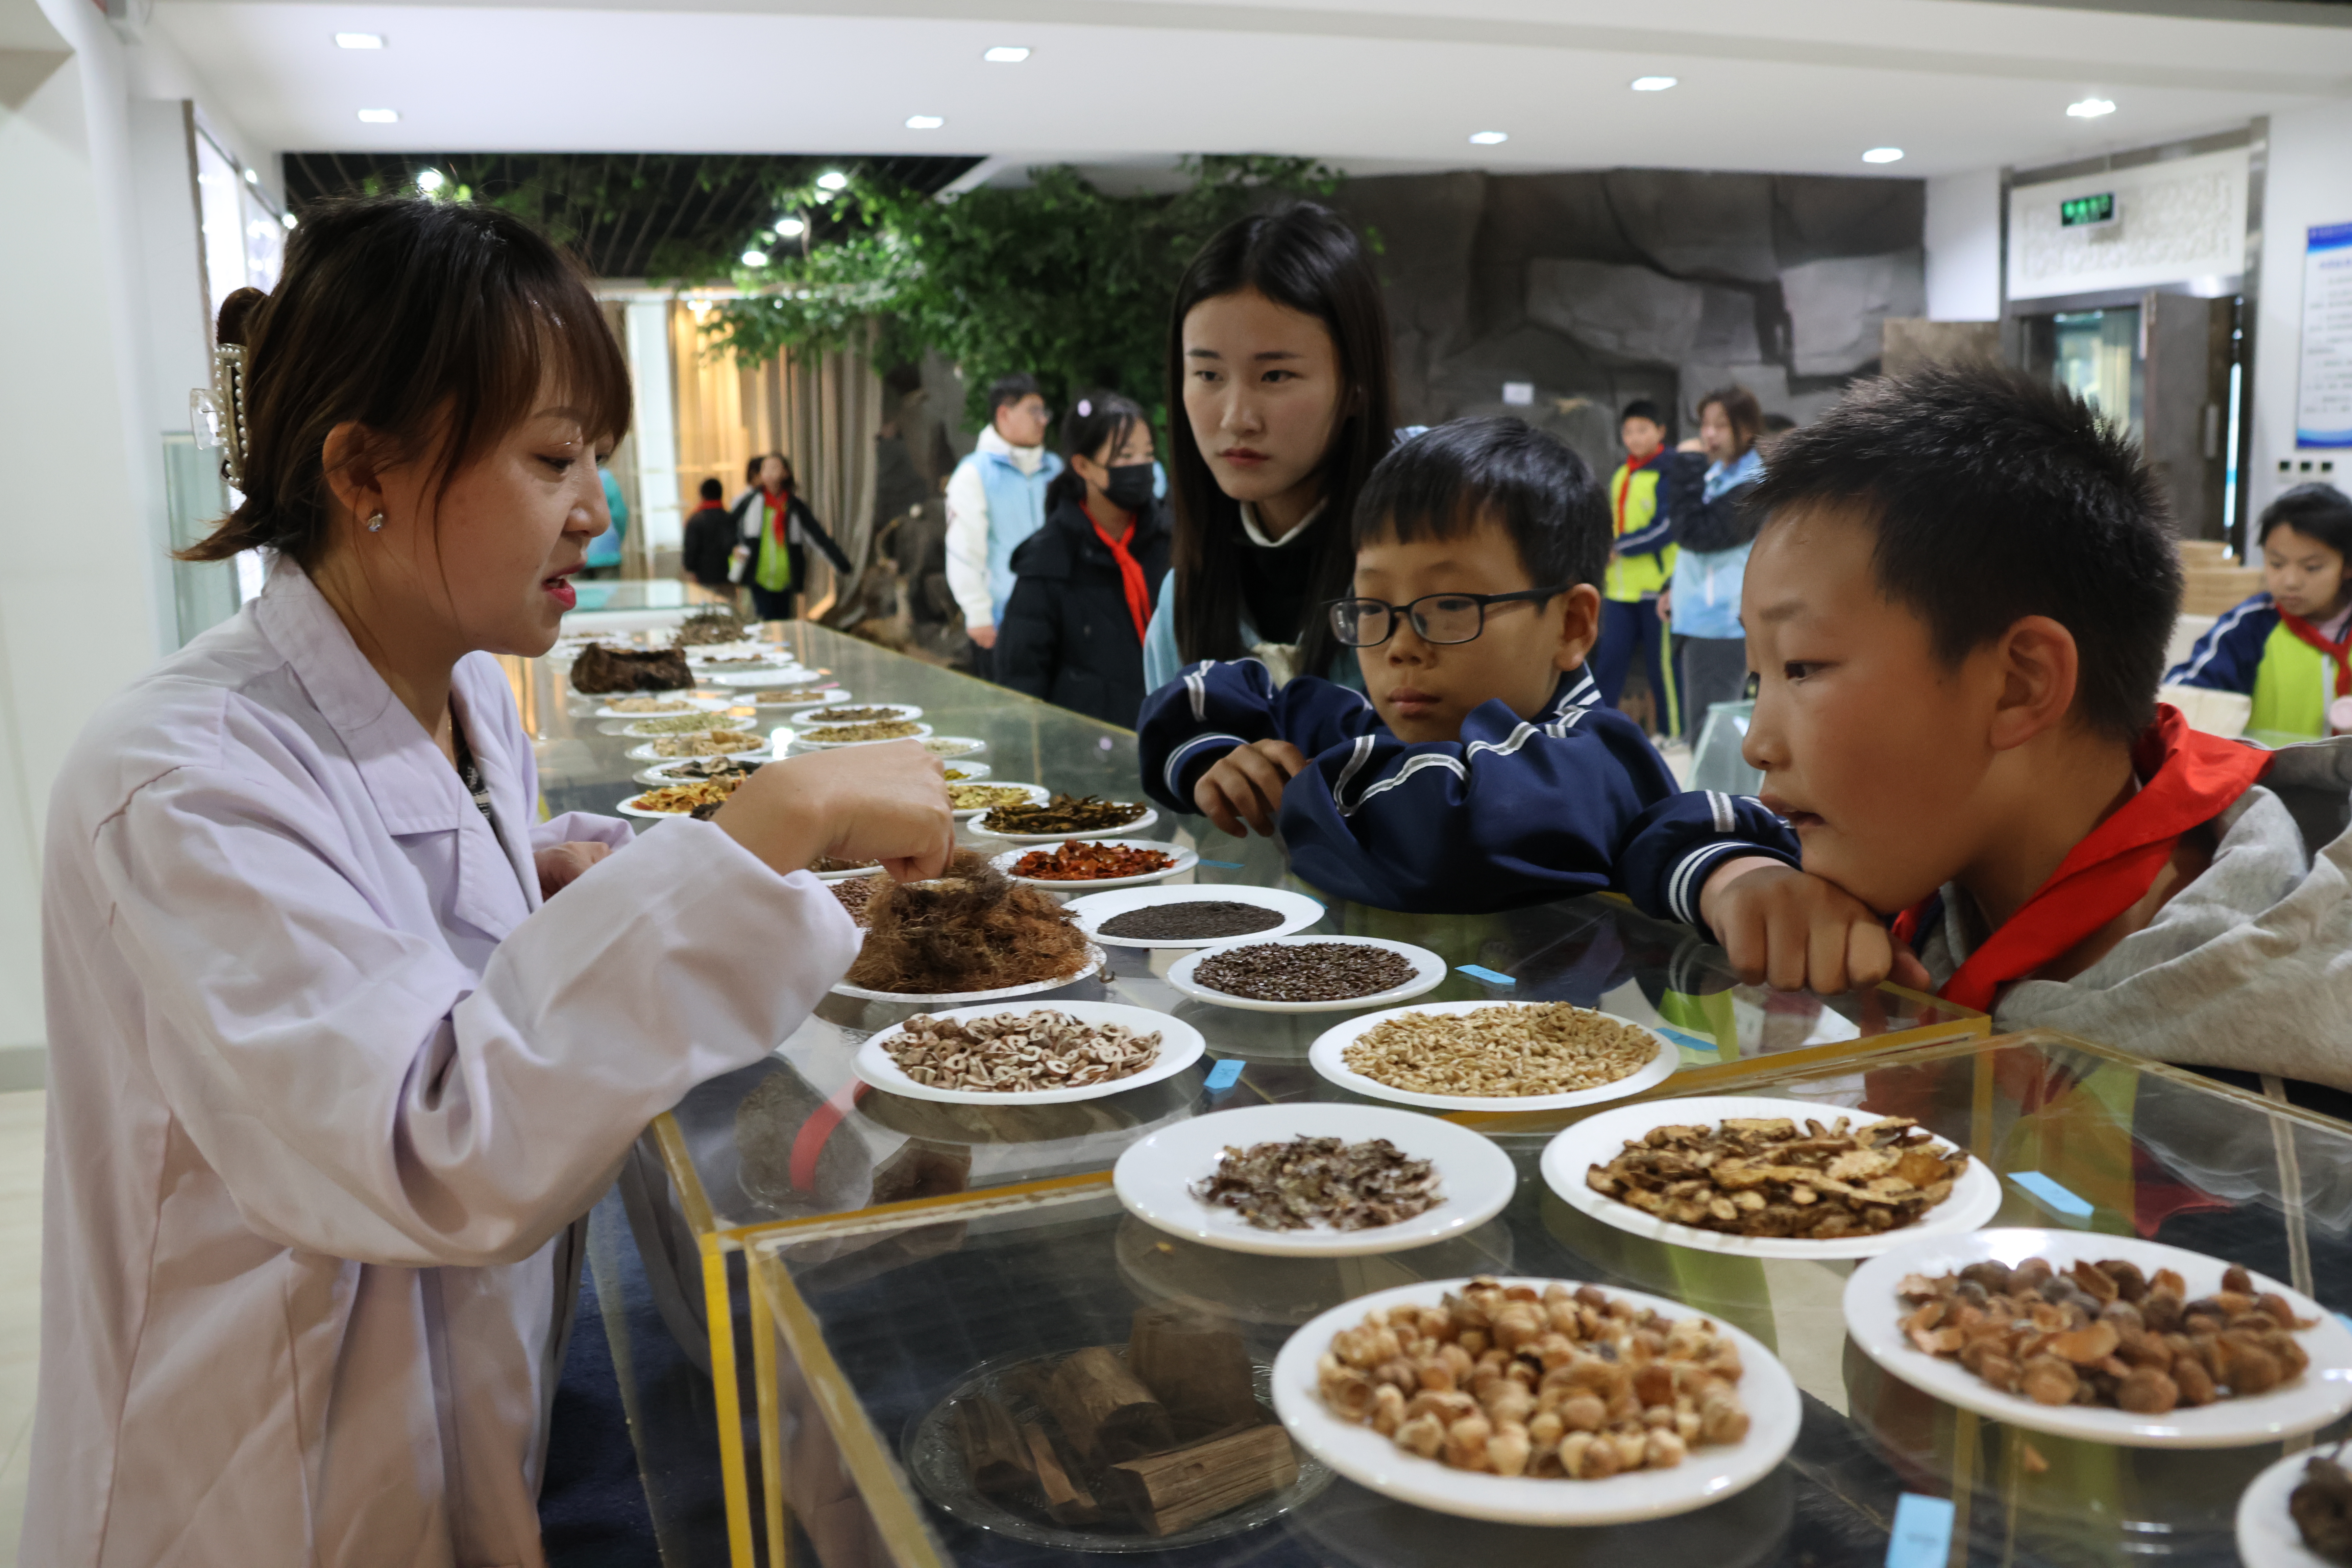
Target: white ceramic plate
pixel 1709 1475
pixel 1185 860
pixel 2267 1537
pixel 1038 795
pixel 646 753
pixel 954 746
pixel 666 773
pixel 1298 911
pixel 1597 1140
pixel 687 700
pixel 1874 1316
pixel 1093 965
pixel 844 877
pixel 755 675
pixel 630 807
pixel 798 704
pixel 1181 1046
pixel 1154 1178
pixel 1124 829
pixel 1328 1056
pixel 898 710
pixel 742 648
pixel 1428 974
pixel 974 772
pixel 712 718
pixel 813 736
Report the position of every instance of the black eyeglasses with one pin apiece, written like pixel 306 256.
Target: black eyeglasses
pixel 1436 618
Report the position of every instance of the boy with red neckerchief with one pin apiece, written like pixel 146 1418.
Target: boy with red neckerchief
pixel 1959 609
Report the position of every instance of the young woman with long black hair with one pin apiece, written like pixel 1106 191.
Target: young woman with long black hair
pixel 1278 407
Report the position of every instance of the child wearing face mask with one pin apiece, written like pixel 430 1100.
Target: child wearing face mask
pixel 1083 583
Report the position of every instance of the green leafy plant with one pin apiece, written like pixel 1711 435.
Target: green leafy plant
pixel 1059 279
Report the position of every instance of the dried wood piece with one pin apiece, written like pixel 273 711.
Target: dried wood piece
pixel 1175 1490
pixel 1199 1370
pixel 1068 1501
pixel 993 1453
pixel 1103 1410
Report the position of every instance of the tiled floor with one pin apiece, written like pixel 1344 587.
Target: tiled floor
pixel 20 1300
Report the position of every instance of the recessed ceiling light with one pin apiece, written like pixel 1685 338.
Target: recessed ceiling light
pixel 1490 138
pixel 755 258
pixel 1654 83
pixel 924 122
pixel 790 229
pixel 2091 108
pixel 379 117
pixel 252 177
pixel 1006 54
pixel 429 180
pixel 359 40
pixel 832 180
pixel 289 219
pixel 1883 155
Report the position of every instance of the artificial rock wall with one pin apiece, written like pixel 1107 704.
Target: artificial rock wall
pixel 1599 288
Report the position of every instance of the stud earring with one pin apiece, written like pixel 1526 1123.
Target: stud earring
pixel 375 523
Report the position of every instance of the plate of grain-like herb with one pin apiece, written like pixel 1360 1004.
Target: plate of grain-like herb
pixel 1315 1180
pixel 1493 1056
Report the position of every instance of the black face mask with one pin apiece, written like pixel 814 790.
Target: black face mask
pixel 1131 487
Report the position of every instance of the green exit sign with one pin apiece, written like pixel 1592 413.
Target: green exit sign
pixel 2082 212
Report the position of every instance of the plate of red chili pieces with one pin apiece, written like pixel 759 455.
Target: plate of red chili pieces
pixel 1097 863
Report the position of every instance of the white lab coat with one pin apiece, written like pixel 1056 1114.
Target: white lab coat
pixel 328 1092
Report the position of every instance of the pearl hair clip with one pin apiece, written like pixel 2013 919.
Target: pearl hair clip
pixel 218 412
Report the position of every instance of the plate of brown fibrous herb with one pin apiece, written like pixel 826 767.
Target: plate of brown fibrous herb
pixel 1759 1177
pixel 1493 1056
pixel 1315 1180
pixel 1307 973
pixel 969 934
pixel 2105 1338
pixel 2298 1512
pixel 1064 816
pixel 1206 916
pixel 1048 1053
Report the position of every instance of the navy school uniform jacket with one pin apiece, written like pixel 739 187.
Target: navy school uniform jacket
pixel 1518 810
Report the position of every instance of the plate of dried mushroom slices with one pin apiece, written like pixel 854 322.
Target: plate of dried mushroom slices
pixel 1026 1054
pixel 1569 1444
pixel 1722 1173
pixel 1315 1180
pixel 2105 1338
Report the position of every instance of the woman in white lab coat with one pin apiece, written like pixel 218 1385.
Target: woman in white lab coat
pixel 343 1042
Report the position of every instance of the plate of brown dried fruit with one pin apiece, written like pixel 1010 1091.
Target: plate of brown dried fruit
pixel 1315 1180
pixel 2297 1513
pixel 2106 1337
pixel 1046 1055
pixel 1535 1401
pixel 1769 1178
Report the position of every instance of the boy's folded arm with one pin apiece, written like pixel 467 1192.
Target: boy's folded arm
pixel 1215 706
pixel 2230 654
pixel 1681 840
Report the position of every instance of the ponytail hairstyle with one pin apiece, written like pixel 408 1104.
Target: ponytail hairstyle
pixel 429 323
pixel 1305 257
pixel 1094 418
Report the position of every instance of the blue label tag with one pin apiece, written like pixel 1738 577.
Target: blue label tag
pixel 1225 1074
pixel 1922 1536
pixel 1480 972
pixel 2050 1195
pixel 1221 865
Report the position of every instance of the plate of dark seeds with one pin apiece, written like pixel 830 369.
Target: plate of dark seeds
pixel 1315 1180
pixel 1193 916
pixel 1308 973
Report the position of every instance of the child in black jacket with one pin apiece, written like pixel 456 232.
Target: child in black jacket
pixel 1073 631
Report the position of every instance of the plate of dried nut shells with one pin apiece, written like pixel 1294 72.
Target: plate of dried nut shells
pixel 2134 1342
pixel 1627 1407
pixel 1046 1044
pixel 1722 1173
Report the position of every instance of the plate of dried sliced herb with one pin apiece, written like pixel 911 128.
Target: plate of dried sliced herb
pixel 1063 816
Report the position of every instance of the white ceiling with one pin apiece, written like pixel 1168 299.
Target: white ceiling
pixel 1791 85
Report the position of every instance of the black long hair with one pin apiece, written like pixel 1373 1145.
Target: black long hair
pixel 1096 417
pixel 1306 258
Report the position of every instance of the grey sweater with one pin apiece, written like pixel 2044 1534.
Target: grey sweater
pixel 2250 966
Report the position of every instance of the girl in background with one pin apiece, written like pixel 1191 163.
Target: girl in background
pixel 1714 530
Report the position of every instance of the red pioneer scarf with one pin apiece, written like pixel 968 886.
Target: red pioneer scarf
pixel 2191 777
pixel 1131 574
pixel 2339 653
pixel 1625 489
pixel 779 505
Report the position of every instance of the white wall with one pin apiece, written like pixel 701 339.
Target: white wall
pixel 2309 183
pixel 1963 238
pixel 647 341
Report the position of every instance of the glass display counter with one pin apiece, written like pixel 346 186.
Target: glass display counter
pixel 874 1319
pixel 796 1141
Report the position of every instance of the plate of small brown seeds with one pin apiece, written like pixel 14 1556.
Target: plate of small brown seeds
pixel 1307 973
pixel 1493 1056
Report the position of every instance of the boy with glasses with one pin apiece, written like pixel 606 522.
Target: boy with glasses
pixel 1481 771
